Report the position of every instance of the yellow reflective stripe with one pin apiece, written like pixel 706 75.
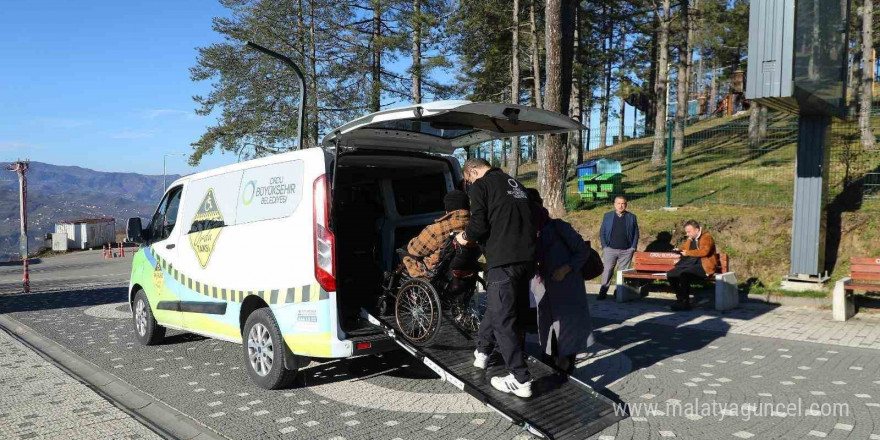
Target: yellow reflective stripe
pixel 282 296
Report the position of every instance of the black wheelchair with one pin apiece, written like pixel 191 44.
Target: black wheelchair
pixel 450 289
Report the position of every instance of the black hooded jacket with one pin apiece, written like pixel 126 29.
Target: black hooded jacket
pixel 502 219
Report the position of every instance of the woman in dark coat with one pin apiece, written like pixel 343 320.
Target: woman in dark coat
pixel 564 327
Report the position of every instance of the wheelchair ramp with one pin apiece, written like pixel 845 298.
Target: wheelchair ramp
pixel 561 407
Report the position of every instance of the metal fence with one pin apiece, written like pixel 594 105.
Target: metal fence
pixel 721 163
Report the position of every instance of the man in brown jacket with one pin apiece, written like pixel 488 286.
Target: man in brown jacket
pixel 427 245
pixel 698 260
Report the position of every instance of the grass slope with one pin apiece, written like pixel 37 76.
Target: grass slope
pixel 743 195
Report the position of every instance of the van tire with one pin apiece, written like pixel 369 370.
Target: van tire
pixel 262 332
pixel 146 329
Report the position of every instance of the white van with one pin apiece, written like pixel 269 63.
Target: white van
pixel 282 253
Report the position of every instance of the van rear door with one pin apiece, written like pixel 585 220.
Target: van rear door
pixel 444 126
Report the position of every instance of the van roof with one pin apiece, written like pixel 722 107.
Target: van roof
pixel 268 160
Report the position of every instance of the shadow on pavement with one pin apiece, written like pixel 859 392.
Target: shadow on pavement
pixel 62 300
pixel 31 262
pixel 397 364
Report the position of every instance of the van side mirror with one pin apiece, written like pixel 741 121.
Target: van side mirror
pixel 134 231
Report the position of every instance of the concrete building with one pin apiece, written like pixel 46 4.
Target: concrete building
pixel 87 233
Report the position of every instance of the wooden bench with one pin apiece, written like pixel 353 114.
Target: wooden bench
pixel 864 275
pixel 651 266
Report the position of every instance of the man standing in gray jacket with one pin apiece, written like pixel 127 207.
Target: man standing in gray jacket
pixel 619 237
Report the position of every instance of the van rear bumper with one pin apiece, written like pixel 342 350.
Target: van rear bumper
pixel 372 344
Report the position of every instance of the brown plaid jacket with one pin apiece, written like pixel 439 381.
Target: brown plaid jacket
pixel 428 243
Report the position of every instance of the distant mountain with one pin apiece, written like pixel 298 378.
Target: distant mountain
pixel 68 192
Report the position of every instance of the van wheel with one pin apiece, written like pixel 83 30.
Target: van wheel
pixel 264 351
pixel 417 311
pixel 148 331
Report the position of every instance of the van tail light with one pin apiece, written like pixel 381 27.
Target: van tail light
pixel 325 242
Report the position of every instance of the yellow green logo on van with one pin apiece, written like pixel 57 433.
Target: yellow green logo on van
pixel 158 278
pixel 247 194
pixel 205 229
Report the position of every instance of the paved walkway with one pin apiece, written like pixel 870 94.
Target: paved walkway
pixel 753 319
pixel 41 401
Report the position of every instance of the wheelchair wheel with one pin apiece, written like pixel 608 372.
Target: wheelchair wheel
pixel 417 311
pixel 467 312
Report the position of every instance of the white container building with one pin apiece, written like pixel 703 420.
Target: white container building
pixel 88 232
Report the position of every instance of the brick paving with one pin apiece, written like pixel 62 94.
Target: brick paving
pixel 38 400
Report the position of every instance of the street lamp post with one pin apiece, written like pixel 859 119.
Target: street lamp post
pixel 21 167
pixel 164 185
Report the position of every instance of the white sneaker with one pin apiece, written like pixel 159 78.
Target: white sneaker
pixel 481 360
pixel 508 384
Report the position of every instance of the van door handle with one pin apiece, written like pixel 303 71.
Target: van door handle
pixel 170 246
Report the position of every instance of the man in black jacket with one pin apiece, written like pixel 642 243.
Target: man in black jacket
pixel 503 222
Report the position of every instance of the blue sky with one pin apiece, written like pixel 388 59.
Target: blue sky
pixel 105 85
pixel 101 84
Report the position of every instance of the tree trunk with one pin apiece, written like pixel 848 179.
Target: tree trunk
pixel 513 170
pixel 588 110
pixel 304 56
pixel 699 79
pixel 535 55
pixel 313 71
pixel 376 90
pixel 606 89
pixel 559 32
pixel 635 121
pixel 652 77
pixel 812 68
pixel 417 52
pixel 852 84
pixel 762 123
pixel 582 52
pixel 713 90
pixel 685 55
pixel 532 153
pixel 662 84
pixel 574 109
pixel 622 86
pixel 621 119
pixel 867 80
pixel 754 124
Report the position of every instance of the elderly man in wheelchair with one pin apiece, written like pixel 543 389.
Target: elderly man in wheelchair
pixel 436 276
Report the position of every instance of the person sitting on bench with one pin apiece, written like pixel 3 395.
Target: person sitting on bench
pixel 698 260
pixel 429 243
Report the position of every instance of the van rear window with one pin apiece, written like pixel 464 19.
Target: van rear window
pixel 419 195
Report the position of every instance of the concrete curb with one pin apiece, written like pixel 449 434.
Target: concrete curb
pixel 146 409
